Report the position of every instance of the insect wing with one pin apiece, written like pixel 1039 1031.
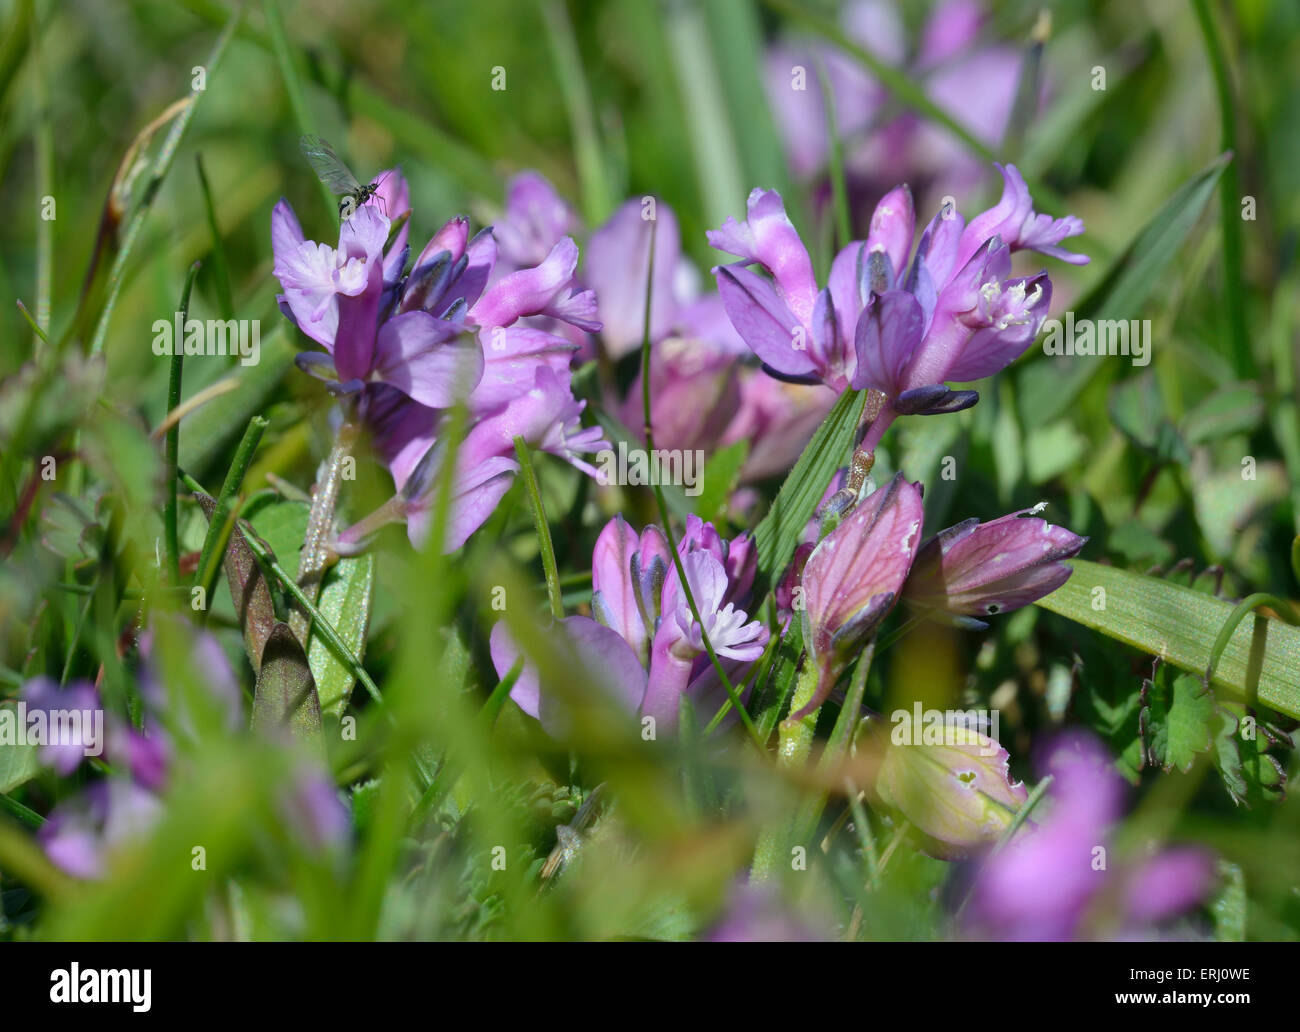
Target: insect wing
pixel 328 166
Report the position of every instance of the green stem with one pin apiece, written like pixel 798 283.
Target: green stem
pixel 796 736
pixel 732 694
pixel 293 87
pixel 25 814
pixel 315 556
pixel 219 527
pixel 543 528
pixel 795 741
pixel 867 840
pixel 597 199
pixel 839 191
pixel 172 444
pixel 161 167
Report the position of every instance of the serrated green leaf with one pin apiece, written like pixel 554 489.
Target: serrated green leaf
pixel 345 602
pixel 1261 660
pixel 1177 720
pixel 1229 906
pixel 1047 387
pixel 1227 756
pixel 285 696
pixel 777 535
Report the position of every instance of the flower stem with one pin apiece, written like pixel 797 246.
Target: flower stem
pixel 172 444
pixel 543 528
pixel 732 694
pixel 223 520
pixel 795 742
pixel 315 558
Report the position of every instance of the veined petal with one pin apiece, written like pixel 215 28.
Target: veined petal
pixel 418 355
pixel 888 334
pixel 763 321
pixel 770 239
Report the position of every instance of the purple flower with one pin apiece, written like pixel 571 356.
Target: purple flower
pixel 854 575
pixel 401 349
pixel 1060 880
pixel 341 299
pixel 645 637
pixel 795 94
pixel 980 569
pixel 949 65
pixel 604 658
pixel 953 313
pixel 69 719
pixel 313 810
pixel 618 254
pixel 82 832
pixel 536 218
pixel 755 914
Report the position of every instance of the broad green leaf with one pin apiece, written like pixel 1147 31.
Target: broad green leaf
pixel 1177 720
pixel 1047 387
pixel 286 694
pixel 283 526
pixel 1261 661
pixel 1053 449
pixel 18 763
pixel 777 535
pixel 345 602
pixel 721 473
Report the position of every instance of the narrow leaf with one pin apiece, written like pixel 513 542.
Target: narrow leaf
pixel 1046 389
pixel 777 535
pixel 1261 661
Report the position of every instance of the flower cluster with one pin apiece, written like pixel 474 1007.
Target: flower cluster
pixel 951 313
pixel 645 636
pixel 83 831
pixel 406 347
pixel 494 322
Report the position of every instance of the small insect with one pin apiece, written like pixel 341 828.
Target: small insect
pixel 329 167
